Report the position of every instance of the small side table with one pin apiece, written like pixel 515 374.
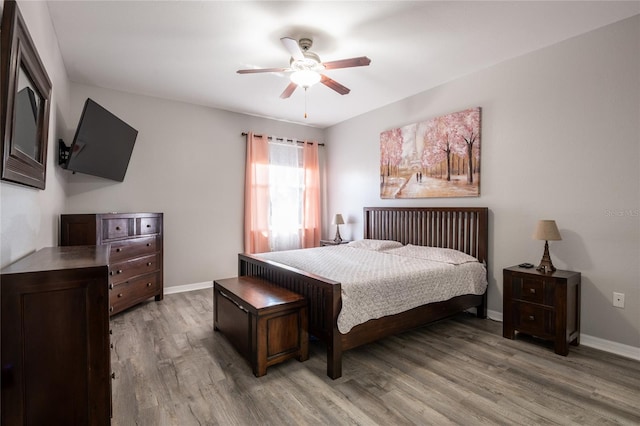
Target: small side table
pixel 332 243
pixel 543 305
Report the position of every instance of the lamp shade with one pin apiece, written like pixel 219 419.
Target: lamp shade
pixel 338 220
pixel 546 230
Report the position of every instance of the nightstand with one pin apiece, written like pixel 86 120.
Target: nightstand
pixel 332 243
pixel 542 305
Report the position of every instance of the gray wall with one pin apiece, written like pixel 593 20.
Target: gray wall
pixel 560 140
pixel 188 162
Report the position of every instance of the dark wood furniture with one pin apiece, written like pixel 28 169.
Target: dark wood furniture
pixel 136 257
pixel 464 229
pixel 55 338
pixel 324 243
pixel 542 305
pixel 266 324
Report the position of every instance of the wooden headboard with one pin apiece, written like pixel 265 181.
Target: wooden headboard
pixel 460 228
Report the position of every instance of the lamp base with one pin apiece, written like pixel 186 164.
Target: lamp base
pixel 338 238
pixel 546 266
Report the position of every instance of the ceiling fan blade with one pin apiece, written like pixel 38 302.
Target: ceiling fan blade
pixel 332 84
pixel 347 63
pixel 289 90
pixel 257 70
pixel 293 48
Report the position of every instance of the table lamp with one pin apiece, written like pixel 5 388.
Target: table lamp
pixel 548 231
pixel 338 220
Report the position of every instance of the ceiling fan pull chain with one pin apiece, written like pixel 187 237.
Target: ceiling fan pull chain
pixel 305 102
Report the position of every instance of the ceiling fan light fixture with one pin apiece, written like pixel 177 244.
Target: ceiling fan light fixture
pixel 305 78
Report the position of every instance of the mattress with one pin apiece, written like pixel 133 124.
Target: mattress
pixel 381 279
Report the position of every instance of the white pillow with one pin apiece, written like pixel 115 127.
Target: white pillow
pixel 375 245
pixel 436 254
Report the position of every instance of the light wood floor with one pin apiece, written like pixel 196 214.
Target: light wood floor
pixel 172 369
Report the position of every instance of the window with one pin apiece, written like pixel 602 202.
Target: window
pixel 286 192
pixel 282 195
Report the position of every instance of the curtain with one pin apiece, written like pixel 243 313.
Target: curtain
pixel 282 195
pixel 256 196
pixel 311 224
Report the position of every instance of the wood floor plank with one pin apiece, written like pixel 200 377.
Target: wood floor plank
pixel 173 369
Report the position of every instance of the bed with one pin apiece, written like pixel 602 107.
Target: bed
pixel 464 229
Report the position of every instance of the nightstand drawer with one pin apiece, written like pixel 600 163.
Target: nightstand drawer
pixel 533 319
pixel 531 290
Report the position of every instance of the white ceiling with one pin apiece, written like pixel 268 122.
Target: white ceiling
pixel 190 50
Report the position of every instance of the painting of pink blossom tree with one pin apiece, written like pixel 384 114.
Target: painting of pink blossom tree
pixel 439 157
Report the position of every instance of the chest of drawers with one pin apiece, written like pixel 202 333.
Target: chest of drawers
pixel 55 338
pixel 542 305
pixel 136 255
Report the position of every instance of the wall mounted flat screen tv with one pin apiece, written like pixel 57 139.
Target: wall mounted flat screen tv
pixel 102 145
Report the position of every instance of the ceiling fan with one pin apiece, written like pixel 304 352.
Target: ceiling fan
pixel 306 68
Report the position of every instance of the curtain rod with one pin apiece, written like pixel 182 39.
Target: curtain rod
pixel 279 139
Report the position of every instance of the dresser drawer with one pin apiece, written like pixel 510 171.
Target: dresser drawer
pixel 126 249
pixel 133 291
pixel 533 319
pixel 119 272
pixel 148 225
pixel 117 227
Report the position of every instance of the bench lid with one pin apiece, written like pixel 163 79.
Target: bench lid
pixel 257 292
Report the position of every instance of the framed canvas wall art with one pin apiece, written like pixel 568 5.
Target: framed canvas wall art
pixel 439 157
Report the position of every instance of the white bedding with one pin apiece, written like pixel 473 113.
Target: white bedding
pixel 379 282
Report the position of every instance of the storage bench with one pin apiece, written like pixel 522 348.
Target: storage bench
pixel 265 323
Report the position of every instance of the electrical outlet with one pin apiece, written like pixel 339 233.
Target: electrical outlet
pixel 618 300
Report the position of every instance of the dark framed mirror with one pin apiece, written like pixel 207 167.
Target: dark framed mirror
pixel 25 103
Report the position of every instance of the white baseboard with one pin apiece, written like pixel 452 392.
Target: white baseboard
pixel 494 315
pixel 590 341
pixel 188 287
pixel 626 351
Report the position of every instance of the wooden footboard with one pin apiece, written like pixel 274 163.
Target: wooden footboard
pixel 322 294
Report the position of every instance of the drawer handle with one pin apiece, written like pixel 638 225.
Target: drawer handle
pixel 532 318
pixel 119 271
pixel 120 295
pixel 117 228
pixel 148 226
pixel 113 376
pixel 148 244
pixel 149 263
pixel 148 284
pixel 111 346
pixel 110 331
pixel 118 250
pixel 110 286
pixel 532 290
pixel 110 308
